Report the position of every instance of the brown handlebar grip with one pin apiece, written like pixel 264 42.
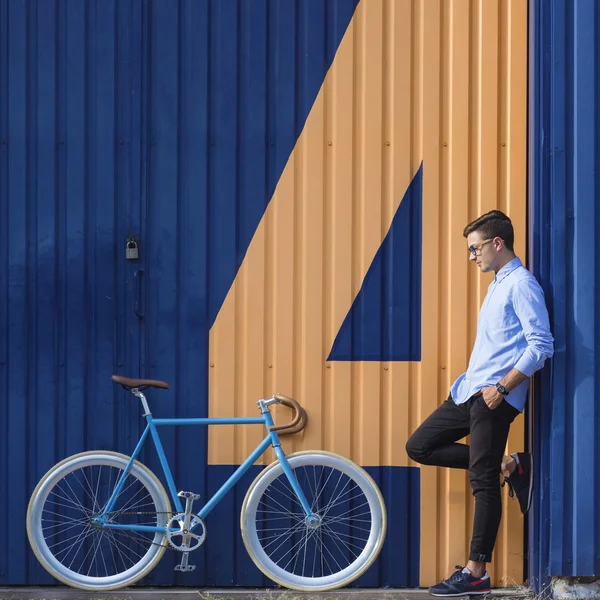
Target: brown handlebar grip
pixel 298 423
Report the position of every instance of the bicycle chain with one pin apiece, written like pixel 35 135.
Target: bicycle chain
pixel 167 546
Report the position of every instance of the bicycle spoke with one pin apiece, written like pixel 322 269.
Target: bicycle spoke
pixel 88 552
pixel 283 517
pixel 119 544
pixel 121 493
pixel 128 548
pixel 316 501
pixel 98 544
pixel 277 528
pixel 298 554
pixel 128 505
pixel 317 544
pixel 338 501
pixel 307 535
pixel 81 486
pixel 310 535
pixel 95 496
pixel 81 537
pixel 289 533
pixel 343 517
pixel 333 557
pixel 278 515
pixel 292 495
pixel 97 488
pixel 336 536
pixel 307 477
pixel 76 504
pixel 61 542
pixel 350 523
pixel 323 557
pixel 325 485
pixel 334 501
pixel 278 536
pixel 109 537
pixel 284 511
pixel 109 487
pixel 132 509
pixel 62 531
pixel 113 541
pixel 68 519
pixel 102 537
pixel 90 530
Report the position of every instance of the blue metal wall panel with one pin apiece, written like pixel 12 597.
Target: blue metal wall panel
pixel 565 161
pixel 68 167
pixel 170 121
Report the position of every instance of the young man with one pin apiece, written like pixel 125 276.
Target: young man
pixel 513 341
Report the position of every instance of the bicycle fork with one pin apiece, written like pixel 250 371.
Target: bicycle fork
pixel 312 520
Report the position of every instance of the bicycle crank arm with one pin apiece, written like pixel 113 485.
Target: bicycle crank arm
pixel 189 501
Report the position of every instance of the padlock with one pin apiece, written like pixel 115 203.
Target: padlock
pixel 131 251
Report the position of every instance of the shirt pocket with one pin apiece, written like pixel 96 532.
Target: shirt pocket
pixel 502 322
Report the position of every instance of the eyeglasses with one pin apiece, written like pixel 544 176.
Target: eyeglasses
pixel 476 250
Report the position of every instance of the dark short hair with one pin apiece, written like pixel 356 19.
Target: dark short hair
pixel 493 224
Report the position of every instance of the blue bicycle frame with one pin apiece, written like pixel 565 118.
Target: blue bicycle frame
pixel 272 439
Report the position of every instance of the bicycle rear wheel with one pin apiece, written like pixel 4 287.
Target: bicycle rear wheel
pixel 327 555
pixel 86 556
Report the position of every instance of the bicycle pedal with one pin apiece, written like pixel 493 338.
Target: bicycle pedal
pixel 186 568
pixel 183 565
pixel 187 495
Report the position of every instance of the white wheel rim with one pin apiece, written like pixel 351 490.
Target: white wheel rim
pixel 45 554
pixel 340 578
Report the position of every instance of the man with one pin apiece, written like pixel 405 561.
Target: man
pixel 513 341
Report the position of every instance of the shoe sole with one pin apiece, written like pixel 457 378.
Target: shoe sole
pixel 477 593
pixel 530 495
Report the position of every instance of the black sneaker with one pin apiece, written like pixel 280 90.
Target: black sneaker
pixel 520 482
pixel 462 584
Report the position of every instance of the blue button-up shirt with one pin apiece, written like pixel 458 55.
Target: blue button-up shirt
pixel 513 331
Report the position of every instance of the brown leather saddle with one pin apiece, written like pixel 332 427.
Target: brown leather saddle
pixel 141 384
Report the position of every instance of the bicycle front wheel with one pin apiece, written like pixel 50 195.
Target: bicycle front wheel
pixel 87 556
pixel 327 555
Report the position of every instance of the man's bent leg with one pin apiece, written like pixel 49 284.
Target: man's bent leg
pixel 434 441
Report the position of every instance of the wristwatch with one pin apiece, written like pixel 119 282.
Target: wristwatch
pixel 502 389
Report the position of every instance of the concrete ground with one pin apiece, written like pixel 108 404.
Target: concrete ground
pixel 65 593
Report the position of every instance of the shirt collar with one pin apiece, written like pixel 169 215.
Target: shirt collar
pixel 507 269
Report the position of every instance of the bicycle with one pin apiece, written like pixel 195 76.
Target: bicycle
pixel 310 521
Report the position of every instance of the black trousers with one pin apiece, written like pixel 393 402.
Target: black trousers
pixel 434 443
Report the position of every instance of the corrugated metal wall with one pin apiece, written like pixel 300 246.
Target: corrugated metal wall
pixel 69 189
pixel 437 84
pixel 295 229
pixel 565 221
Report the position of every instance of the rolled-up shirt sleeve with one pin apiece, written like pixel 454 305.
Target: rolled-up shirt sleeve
pixel 530 308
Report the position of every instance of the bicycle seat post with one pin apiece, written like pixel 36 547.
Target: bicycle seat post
pixel 140 395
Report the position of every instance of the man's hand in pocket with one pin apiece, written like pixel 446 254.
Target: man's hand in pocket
pixel 491 396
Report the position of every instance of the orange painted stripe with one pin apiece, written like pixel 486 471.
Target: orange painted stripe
pixel 413 80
